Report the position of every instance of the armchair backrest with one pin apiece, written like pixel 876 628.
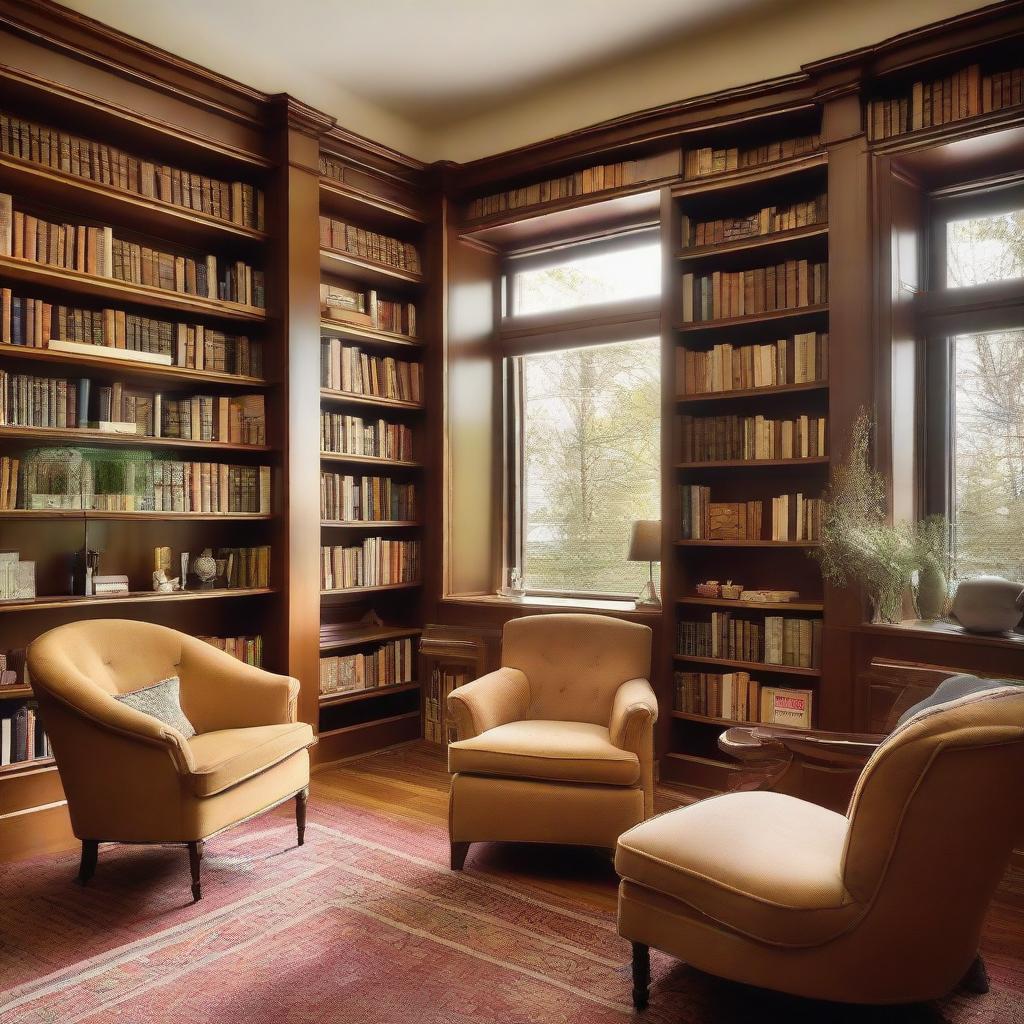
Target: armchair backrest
pixel 82 662
pixel 934 819
pixel 575 663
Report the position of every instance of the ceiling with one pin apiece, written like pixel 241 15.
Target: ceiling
pixel 431 62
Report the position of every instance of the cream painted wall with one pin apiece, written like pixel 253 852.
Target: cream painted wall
pixel 759 49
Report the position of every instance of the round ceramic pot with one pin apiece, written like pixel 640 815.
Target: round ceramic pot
pixel 988 604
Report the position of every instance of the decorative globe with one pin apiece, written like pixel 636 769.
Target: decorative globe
pixel 205 568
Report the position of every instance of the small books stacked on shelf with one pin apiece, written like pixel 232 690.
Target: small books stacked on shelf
pixel 802 359
pixel 348 368
pixel 580 183
pixel 793 517
pixel 752 438
pixel 365 498
pixel 390 664
pixel 699 163
pixel 110 584
pixel 443 679
pixel 8 482
pixel 17 577
pixel 366 309
pixel 369 245
pixel 965 93
pixel 766 221
pixel 722 294
pixel 91 249
pixel 22 738
pixel 374 563
pixel 29 401
pixel 233 201
pixel 735 697
pixel 119 481
pixel 119 335
pixel 13 671
pixel 245 648
pixel 352 435
pixel 781 640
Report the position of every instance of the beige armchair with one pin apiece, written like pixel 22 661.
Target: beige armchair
pixel 883 904
pixel 128 777
pixel 556 746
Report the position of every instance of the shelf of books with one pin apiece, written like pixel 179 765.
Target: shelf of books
pixel 136 464
pixel 372 285
pixel 747 273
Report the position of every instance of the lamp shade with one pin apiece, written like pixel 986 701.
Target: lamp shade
pixel 645 541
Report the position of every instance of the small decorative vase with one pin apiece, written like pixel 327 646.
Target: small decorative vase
pixel 988 604
pixel 205 568
pixel 887 606
pixel 931 589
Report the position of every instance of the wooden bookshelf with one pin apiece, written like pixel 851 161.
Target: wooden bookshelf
pixel 692 756
pixel 352 723
pixel 134 597
pixel 91 435
pixel 101 514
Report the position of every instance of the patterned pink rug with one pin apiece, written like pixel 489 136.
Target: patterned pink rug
pixel 363 924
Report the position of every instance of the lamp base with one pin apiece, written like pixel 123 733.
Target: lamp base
pixel 648 597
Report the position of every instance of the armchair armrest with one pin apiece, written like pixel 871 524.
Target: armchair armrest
pixel 495 699
pixel 222 692
pixel 634 712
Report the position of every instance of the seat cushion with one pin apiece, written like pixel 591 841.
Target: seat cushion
pixel 228 756
pixel 563 751
pixel 764 864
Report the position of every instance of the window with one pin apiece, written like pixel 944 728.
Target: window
pixel 583 416
pixel 587 278
pixel 975 368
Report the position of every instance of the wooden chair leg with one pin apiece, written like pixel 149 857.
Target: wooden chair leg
pixel 195 859
pixel 87 865
pixel 641 974
pixel 300 814
pixel 459 851
pixel 975 980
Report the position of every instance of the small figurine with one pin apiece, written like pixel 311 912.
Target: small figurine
pixel 162 585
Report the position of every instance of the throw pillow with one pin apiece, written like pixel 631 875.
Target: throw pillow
pixel 161 701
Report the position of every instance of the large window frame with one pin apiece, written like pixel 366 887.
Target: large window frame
pixel 946 313
pixel 521 335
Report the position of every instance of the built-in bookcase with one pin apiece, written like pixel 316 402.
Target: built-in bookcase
pixel 137 324
pixel 746 379
pixel 373 335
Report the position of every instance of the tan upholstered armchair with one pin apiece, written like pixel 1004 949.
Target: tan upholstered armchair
pixel 882 904
pixel 556 746
pixel 131 779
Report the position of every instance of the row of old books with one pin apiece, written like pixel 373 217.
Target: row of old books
pixel 29 401
pixel 751 438
pixel 245 568
pixel 735 697
pixel 580 183
pixel 245 648
pixel 802 359
pixel 370 245
pixel 377 562
pixel 796 517
pixel 443 679
pixel 352 435
pixel 390 664
pixel 699 163
pixel 778 640
pixel 352 369
pixel 721 294
pixel 366 499
pixel 91 249
pixel 22 737
pixel 965 93
pixel 234 201
pixel 9 478
pixel 33 323
pixel 130 483
pixel 367 310
pixel 704 519
pixel 766 221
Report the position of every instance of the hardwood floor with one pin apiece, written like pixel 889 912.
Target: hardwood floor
pixel 412 782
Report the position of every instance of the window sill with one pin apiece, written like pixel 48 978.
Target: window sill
pixel 560 604
pixel 943 629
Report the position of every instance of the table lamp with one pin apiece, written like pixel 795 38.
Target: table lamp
pixel 645 546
